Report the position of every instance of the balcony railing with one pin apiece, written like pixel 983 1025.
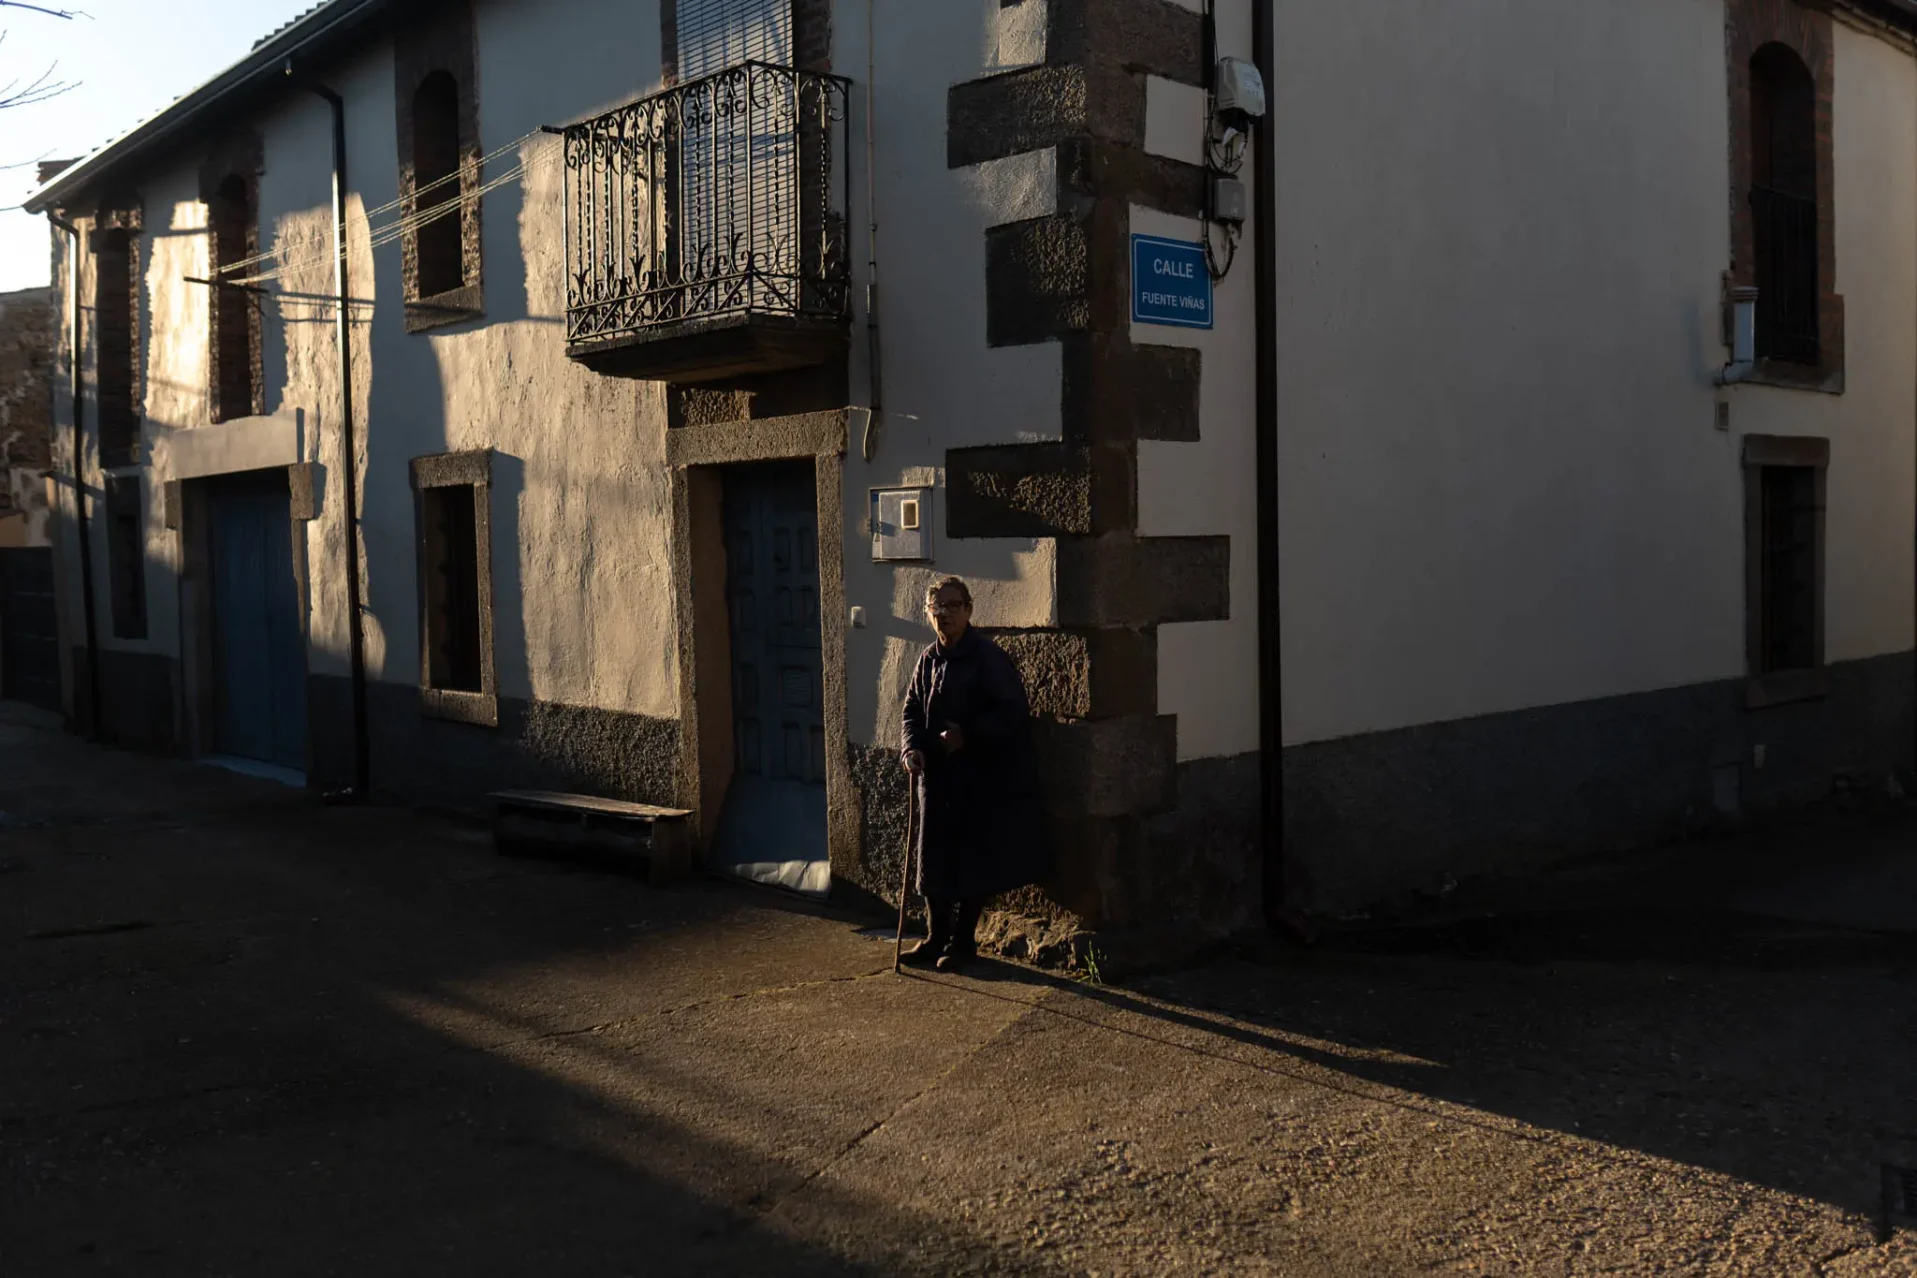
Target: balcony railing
pixel 723 197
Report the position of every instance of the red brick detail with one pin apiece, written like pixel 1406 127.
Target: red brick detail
pixel 115 241
pixel 230 189
pixel 1807 30
pixel 440 42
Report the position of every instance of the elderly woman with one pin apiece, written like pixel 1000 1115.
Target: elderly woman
pixel 967 742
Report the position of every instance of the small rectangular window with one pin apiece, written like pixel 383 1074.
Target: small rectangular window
pixel 453 496
pixel 1789 550
pixel 452 589
pixel 1784 587
pixel 126 556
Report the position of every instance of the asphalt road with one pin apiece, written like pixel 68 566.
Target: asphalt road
pixel 246 1034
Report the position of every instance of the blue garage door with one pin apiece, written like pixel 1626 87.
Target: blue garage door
pixel 259 653
pixel 772 827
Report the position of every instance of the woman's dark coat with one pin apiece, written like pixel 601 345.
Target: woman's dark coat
pixel 981 819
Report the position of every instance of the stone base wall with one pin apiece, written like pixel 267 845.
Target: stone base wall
pixel 1118 797
pixel 1171 881
pixel 883 796
pixel 537 745
pixel 1373 817
pixel 138 701
pixel 1370 816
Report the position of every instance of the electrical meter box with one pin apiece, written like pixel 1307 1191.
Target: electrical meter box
pixel 1240 88
pixel 901 523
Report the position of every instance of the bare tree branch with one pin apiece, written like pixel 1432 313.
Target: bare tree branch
pixel 51 13
pixel 44 86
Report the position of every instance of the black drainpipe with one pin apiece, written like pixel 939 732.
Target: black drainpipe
pixel 343 336
pixel 1271 777
pixel 80 482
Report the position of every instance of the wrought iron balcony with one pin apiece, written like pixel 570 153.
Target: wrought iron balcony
pixel 706 227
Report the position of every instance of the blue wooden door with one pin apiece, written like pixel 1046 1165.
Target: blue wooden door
pixel 259 651
pixel 772 827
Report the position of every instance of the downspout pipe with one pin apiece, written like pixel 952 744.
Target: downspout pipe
pixel 1271 777
pixel 875 377
pixel 349 458
pixel 79 478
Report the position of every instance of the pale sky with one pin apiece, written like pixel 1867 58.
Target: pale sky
pixel 131 58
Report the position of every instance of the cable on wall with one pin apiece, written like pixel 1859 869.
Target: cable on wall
pixel 1226 146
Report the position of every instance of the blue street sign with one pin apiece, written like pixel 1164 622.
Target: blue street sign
pixel 1171 282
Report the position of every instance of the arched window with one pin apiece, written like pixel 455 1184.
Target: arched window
pixel 1783 199
pixel 436 160
pixel 235 327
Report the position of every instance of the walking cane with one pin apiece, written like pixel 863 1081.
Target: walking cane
pixel 905 870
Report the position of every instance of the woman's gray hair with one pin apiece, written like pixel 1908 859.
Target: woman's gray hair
pixel 944 583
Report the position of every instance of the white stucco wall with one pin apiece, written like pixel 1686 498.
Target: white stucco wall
pixel 1498 282
pixel 581 506
pixel 1210 487
pixel 944 388
pixel 1500 244
pixel 581 557
pixel 1872 427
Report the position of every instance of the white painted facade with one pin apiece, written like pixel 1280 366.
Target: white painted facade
pixel 943 386
pixel 1499 287
pixel 583 596
pixel 1501 486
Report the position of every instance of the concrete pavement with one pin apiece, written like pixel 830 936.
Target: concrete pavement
pixel 248 1034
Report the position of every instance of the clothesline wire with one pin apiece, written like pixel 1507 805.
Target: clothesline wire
pixel 231 268
pixel 383 235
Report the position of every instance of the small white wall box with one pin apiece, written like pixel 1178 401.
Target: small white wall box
pixel 901 523
pixel 1227 199
pixel 1240 88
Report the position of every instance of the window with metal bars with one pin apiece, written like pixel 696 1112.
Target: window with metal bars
pixel 712 35
pixel 1783 199
pixel 732 162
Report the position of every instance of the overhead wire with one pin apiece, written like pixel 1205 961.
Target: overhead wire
pixel 392 231
pixel 382 235
pixel 396 229
pixel 390 205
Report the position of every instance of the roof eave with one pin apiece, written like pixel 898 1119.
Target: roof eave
pixel 1900 13
pixel 271 59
